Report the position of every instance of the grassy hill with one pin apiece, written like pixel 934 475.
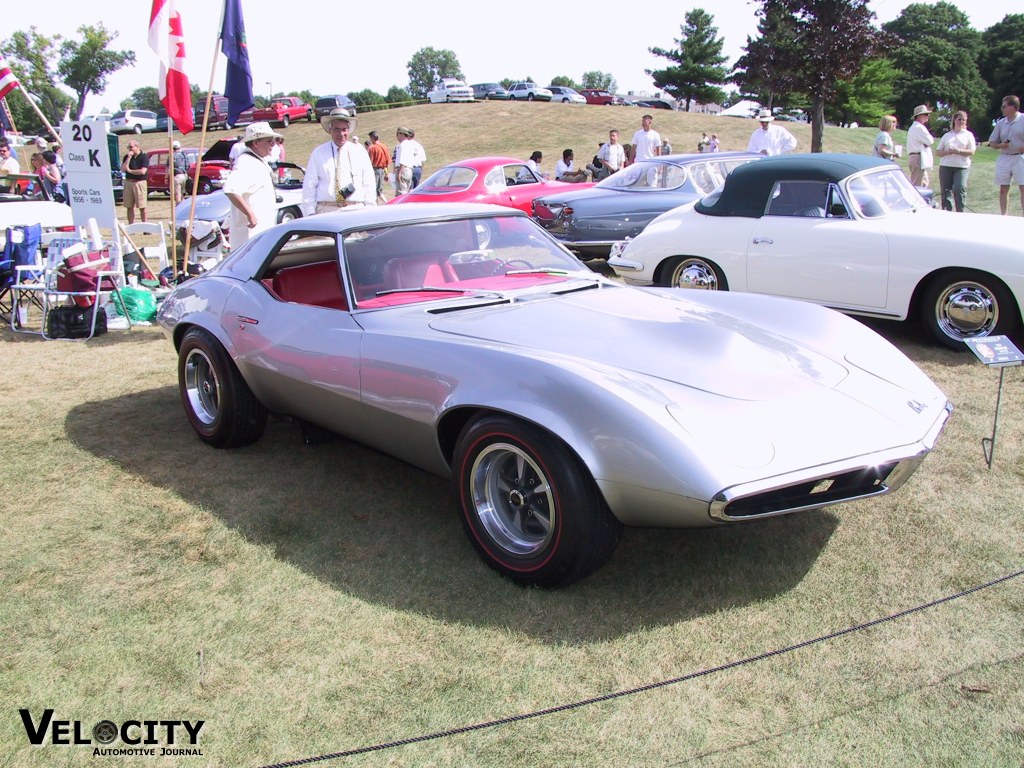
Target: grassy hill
pixel 451 132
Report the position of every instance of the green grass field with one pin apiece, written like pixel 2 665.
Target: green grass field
pixel 306 600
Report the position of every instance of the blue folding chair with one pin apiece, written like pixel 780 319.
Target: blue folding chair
pixel 21 256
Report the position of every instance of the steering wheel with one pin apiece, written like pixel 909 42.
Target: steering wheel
pixel 501 267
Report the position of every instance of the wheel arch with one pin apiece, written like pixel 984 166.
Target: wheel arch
pixel 914 306
pixel 668 263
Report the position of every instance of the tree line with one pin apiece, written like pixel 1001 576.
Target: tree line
pixel 826 57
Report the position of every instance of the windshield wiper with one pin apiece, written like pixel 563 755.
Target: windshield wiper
pixel 439 289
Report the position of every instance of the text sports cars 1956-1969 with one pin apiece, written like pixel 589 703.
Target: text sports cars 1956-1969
pixel 846 231
pixel 463 339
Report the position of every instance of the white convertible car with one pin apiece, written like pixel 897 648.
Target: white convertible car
pixel 846 231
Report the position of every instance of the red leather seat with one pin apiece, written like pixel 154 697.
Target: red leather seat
pixel 317 284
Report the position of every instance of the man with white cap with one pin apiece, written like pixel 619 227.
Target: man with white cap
pixel 770 139
pixel 250 186
pixel 919 147
pixel 339 174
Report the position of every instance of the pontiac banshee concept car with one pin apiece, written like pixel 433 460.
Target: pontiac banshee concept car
pixel 465 340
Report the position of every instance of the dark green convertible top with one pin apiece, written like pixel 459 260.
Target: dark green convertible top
pixel 747 188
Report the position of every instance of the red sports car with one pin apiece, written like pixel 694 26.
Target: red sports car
pixel 496 180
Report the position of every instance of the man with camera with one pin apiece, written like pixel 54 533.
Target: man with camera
pixel 339 174
pixel 250 186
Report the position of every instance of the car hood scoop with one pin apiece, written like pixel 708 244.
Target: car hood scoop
pixel 668 338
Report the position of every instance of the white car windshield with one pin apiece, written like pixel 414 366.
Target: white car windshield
pixel 644 176
pixel 880 193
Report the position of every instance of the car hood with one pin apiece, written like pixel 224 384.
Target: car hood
pixel 673 340
pixel 1003 232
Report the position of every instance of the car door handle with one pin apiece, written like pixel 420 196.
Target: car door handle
pixel 759 240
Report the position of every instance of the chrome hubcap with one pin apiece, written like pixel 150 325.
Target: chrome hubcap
pixel 965 310
pixel 694 273
pixel 512 499
pixel 202 387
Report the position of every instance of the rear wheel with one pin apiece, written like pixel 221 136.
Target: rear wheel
pixel 205 186
pixel 287 214
pixel 528 505
pixel 529 97
pixel 285 121
pixel 691 272
pixel 963 304
pixel 219 404
pixel 138 128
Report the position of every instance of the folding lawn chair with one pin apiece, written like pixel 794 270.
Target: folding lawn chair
pixel 20 263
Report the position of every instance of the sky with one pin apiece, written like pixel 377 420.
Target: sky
pixel 300 44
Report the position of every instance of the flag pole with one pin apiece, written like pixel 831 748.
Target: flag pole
pixel 39 112
pixel 172 187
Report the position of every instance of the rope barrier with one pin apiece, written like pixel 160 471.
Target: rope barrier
pixel 644 688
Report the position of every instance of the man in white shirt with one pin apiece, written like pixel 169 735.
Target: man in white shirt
pixel 405 155
pixel 250 186
pixel 339 174
pixel 919 147
pixel 611 155
pixel 565 169
pixel 419 157
pixel 646 141
pixel 770 139
pixel 1008 138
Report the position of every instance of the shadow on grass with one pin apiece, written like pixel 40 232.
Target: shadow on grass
pixel 388 533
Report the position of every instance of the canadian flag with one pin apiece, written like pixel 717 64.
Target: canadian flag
pixel 168 40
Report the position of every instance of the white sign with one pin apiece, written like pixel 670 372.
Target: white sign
pixel 87 169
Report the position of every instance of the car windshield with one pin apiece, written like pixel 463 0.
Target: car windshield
pixel 882 192
pixel 646 176
pixel 454 178
pixel 423 261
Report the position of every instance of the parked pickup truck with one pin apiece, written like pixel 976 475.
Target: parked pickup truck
pixel 283 111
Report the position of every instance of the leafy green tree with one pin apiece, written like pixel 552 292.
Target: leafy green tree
pixel 602 80
pixel 398 96
pixel 565 82
pixel 1002 65
pixel 426 68
pixel 762 73
pixel 85 64
pixel 938 57
pixel 826 42
pixel 507 82
pixel 146 97
pixel 865 98
pixel 368 101
pixel 698 69
pixel 31 57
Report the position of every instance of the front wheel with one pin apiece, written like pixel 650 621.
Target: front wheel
pixel 528 505
pixel 287 214
pixel 966 305
pixel 219 404
pixel 691 272
pixel 205 186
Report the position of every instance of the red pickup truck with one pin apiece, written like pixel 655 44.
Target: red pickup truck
pixel 283 111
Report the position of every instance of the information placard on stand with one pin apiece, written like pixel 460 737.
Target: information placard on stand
pixel 995 352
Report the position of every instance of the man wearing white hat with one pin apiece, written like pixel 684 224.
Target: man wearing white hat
pixel 770 139
pixel 339 174
pixel 250 186
pixel 919 147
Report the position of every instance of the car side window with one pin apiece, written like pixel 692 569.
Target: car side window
pixel 804 199
pixel 836 205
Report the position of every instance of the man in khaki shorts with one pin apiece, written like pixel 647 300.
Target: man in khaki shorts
pixel 135 167
pixel 1008 138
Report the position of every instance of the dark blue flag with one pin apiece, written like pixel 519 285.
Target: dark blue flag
pixel 238 85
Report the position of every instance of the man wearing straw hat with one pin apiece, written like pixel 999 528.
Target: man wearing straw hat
pixel 339 174
pixel 250 186
pixel 919 147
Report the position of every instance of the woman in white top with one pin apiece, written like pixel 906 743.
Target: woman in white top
pixel 955 151
pixel 883 146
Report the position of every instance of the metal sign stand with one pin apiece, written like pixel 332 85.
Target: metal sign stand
pixel 995 352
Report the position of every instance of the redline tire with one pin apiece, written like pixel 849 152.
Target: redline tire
pixel 218 403
pixel 529 507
